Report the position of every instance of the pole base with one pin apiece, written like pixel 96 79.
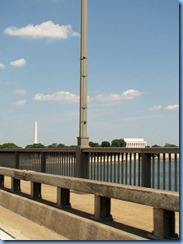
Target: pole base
pixel 83 141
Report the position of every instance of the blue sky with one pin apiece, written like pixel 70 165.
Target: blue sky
pixel 133 70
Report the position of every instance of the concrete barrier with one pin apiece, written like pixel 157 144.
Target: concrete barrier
pixel 164 203
pixel 62 222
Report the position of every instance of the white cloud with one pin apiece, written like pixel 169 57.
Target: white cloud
pixel 60 96
pixel 18 63
pixel 46 29
pixel 169 107
pixel 76 34
pixel 172 107
pixel 63 96
pixel 20 103
pixel 126 95
pixel 2 66
pixel 20 92
pixel 155 107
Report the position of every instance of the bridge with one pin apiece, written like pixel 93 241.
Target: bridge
pixel 111 180
pixel 106 208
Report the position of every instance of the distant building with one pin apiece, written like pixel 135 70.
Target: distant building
pixel 135 142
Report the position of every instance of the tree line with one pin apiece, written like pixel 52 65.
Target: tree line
pixel 113 143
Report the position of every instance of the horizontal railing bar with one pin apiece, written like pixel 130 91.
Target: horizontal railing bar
pixel 38 150
pixel 154 150
pixel 151 197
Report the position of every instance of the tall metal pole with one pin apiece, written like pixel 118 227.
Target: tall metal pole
pixel 83 140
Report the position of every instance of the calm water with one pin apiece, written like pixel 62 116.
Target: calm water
pixel 164 176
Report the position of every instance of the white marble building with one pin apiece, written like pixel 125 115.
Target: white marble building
pixel 135 142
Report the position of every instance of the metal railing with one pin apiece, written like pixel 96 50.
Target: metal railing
pixel 151 167
pixel 130 166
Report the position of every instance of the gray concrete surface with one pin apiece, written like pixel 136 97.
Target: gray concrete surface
pixel 21 228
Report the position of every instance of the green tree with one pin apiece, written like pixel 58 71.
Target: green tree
pixel 53 145
pixel 118 143
pixel 155 145
pixel 38 145
pixel 9 145
pixel 73 146
pixel 105 144
pixel 60 145
pixel 93 144
pixel 169 145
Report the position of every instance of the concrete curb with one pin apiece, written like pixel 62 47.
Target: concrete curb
pixel 64 223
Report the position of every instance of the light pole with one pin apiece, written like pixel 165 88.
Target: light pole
pixel 83 140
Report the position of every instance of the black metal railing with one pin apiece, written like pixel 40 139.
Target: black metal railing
pixel 60 162
pixel 150 167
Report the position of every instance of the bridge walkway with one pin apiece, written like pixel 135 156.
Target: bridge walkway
pixel 20 228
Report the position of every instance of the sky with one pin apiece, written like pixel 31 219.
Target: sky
pixel 133 70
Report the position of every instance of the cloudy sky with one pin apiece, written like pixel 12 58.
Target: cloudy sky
pixel 133 70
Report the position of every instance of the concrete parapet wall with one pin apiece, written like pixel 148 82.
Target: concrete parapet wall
pixel 67 224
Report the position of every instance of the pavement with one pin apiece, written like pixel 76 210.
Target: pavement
pixel 20 228
pixel 131 217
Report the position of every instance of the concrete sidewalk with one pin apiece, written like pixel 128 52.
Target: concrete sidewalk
pixel 127 216
pixel 21 228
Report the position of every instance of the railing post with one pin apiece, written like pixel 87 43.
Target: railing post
pixel 164 224
pixel 146 170
pixel 82 164
pixel 43 162
pixel 63 197
pixel 15 185
pixel 1 181
pixel 102 209
pixel 35 190
pixel 17 161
